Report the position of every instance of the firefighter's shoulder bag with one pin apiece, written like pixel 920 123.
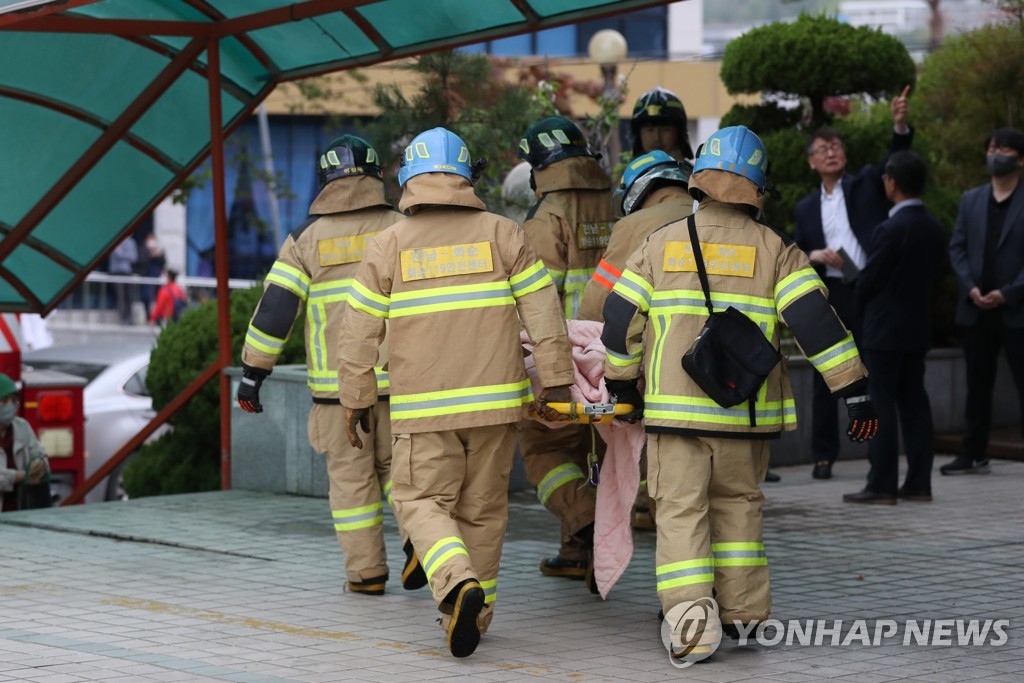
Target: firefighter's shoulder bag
pixel 731 357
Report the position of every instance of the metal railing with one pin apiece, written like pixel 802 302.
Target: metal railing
pixel 101 296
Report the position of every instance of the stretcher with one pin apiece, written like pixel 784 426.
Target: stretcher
pixel 592 414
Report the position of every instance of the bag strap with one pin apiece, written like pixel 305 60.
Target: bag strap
pixel 702 273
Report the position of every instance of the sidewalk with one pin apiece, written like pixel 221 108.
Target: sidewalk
pixel 246 587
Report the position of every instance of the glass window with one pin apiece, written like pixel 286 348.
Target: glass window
pixel 645 30
pixel 513 46
pixel 557 42
pixel 136 384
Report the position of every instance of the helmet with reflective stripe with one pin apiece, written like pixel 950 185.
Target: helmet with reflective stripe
pixel 735 149
pixel 660 106
pixel 553 139
pixel 347 156
pixel 640 176
pixel 437 150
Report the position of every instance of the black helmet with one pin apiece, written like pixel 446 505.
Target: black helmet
pixel 346 156
pixel 552 139
pixel 660 106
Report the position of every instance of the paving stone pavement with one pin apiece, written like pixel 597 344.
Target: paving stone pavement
pixel 246 587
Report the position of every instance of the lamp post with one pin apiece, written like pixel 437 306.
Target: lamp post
pixel 608 47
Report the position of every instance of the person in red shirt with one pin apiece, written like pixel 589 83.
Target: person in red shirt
pixel 167 300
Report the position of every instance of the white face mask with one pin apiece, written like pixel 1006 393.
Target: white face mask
pixel 8 411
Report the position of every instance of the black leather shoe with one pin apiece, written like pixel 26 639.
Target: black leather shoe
pixel 869 498
pixel 771 477
pixel 559 566
pixel 467 600
pixel 822 470
pixel 963 465
pixel 919 496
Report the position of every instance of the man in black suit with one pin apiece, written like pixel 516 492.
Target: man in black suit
pixel 987 251
pixel 893 300
pixel 842 214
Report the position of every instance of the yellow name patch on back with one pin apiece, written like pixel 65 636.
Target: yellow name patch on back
pixel 594 235
pixel 340 250
pixel 719 259
pixel 456 259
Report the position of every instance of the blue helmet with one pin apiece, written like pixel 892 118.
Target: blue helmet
pixel 641 174
pixel 437 150
pixel 735 149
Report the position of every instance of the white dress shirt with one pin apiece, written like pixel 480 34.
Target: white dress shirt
pixel 835 223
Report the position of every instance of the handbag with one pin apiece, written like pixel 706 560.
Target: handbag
pixel 731 357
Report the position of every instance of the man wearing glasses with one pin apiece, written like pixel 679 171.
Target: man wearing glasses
pixel 834 225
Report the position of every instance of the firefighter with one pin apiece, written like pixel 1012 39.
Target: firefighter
pixel 452 281
pixel 706 461
pixel 653 194
pixel 659 122
pixel 314 270
pixel 570 226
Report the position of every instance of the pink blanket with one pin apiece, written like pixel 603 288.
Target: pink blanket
pixel 620 470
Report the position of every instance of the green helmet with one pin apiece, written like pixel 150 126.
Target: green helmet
pixel 553 139
pixel 660 106
pixel 346 156
pixel 7 386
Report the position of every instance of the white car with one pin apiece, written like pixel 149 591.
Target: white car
pixel 116 401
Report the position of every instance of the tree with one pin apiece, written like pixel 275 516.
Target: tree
pixel 467 94
pixel 969 87
pixel 815 58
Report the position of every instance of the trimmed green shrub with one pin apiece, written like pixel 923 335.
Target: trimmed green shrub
pixel 187 458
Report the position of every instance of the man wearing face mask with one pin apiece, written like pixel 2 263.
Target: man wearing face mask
pixel 987 252
pixel 23 460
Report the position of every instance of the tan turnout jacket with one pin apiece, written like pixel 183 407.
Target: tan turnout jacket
pixel 452 281
pixel 570 224
pixel 656 310
pixel 314 269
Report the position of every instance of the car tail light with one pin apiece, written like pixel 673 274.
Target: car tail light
pixel 55 407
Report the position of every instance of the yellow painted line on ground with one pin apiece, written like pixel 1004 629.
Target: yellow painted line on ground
pixel 209 615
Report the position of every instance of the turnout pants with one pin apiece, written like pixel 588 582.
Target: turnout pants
pixel 451 496
pixel 556 464
pixel 709 523
pixel 360 479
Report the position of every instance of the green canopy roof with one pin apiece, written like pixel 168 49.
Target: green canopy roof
pixel 105 106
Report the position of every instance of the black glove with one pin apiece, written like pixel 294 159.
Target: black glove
pixel 353 417
pixel 249 390
pixel 863 418
pixel 625 391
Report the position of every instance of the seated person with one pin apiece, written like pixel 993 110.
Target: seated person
pixel 24 462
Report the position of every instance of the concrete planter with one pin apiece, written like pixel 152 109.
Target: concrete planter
pixel 270 451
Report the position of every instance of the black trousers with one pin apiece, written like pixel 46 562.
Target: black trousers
pixel 897 389
pixel 982 343
pixel 825 406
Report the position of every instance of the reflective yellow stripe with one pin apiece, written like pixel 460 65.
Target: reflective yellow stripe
pixel 621 361
pixel 795 285
pixel 556 478
pixel 441 552
pixel 558 277
pixel 290 278
pixel 383 380
pixel 835 354
pixel 330 291
pixel 358 518
pixel 459 297
pixel 691 302
pixel 387 490
pixel 466 400
pixel 692 409
pixel 739 554
pixel 316 314
pixel 530 280
pixel 490 587
pixel 634 288
pixel 364 300
pixel 685 573
pixel 263 341
pixel 661 326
